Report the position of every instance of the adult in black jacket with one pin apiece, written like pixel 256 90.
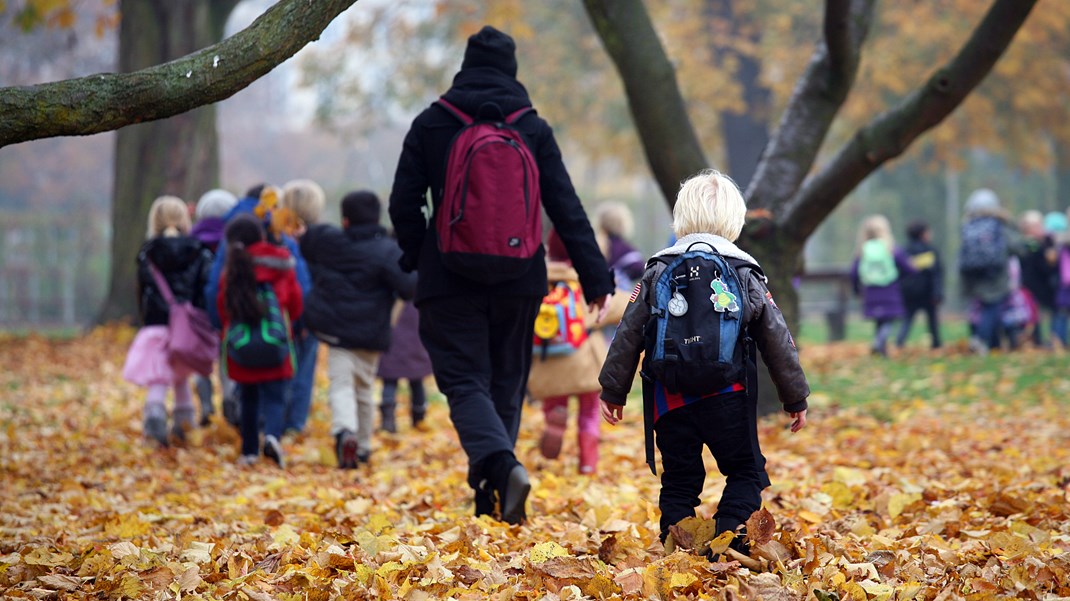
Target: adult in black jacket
pixel 479 335
pixel 355 280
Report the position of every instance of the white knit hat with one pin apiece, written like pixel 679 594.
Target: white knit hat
pixel 215 203
pixel 982 200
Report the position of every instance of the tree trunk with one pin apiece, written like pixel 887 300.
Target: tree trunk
pixel 745 134
pixel 1062 174
pixel 178 155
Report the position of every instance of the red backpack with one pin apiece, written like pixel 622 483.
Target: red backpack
pixel 490 223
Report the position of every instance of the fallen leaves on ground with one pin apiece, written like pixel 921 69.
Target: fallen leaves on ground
pixel 950 500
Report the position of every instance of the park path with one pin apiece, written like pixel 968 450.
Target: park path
pixel 955 498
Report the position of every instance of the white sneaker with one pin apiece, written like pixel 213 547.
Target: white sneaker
pixel 247 460
pixel 273 450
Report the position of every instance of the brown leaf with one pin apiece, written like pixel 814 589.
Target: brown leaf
pixel 60 582
pixel 608 549
pixel 467 575
pixel 274 518
pixel 566 568
pixel 681 538
pixel 269 564
pixel 760 527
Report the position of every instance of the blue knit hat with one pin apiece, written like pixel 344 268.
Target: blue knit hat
pixel 1055 223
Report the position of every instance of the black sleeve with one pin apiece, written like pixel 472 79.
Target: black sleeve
pixel 409 197
pixel 204 268
pixel 402 282
pixel 570 220
pixel 618 371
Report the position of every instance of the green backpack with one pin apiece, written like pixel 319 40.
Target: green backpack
pixel 876 267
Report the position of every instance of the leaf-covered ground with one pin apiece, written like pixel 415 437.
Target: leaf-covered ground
pixel 955 488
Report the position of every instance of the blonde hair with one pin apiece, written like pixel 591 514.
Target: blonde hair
pixel 709 203
pixel 305 198
pixel 168 216
pixel 615 219
pixel 876 227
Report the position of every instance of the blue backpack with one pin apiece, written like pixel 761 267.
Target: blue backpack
pixel 266 343
pixel 697 342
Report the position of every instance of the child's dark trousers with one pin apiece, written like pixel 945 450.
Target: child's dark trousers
pixel 728 425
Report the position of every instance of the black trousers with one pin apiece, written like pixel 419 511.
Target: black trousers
pixel 480 349
pixel 931 316
pixel 728 425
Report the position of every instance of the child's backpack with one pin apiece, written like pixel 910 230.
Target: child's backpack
pixel 984 249
pixel 697 342
pixel 490 223
pixel 560 326
pixel 876 265
pixel 265 344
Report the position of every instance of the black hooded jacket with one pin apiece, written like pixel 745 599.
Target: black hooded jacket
pixel 184 263
pixel 355 281
pixel 423 164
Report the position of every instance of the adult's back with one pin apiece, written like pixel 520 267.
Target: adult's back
pixel 422 165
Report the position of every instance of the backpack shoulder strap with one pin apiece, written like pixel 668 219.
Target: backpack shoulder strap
pixel 161 282
pixel 516 115
pixel 452 109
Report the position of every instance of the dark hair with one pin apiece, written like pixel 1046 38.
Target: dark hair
pixel 255 191
pixel 361 206
pixel 917 229
pixel 241 303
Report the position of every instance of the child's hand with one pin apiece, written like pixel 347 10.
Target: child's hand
pixel 800 420
pixel 610 412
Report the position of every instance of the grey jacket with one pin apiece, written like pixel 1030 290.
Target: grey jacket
pixel 766 326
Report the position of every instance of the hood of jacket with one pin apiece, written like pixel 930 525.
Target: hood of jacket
pixel 476 86
pixel 209 230
pixel 174 253
pixel 270 262
pixel 720 244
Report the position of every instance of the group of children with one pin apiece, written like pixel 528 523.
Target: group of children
pixel 1010 274
pixel 353 285
pixel 275 282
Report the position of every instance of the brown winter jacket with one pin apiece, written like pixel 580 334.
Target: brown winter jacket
pixel 576 373
pixel 766 326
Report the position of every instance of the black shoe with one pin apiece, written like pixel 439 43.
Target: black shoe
pixel 389 422
pixel 514 495
pixel 345 449
pixel 204 393
pixel 273 450
pixel 364 458
pixel 232 411
pixel 485 499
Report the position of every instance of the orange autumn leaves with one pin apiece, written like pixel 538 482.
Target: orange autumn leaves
pixel 956 498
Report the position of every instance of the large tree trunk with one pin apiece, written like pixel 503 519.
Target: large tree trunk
pixel 1062 174
pixel 788 202
pixel 179 155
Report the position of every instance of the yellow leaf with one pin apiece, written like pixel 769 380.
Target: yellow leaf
pixel 130 587
pixel 378 523
pixel 876 590
pixel 285 536
pixel 41 556
pixel 900 501
pixel 849 476
pixel 545 551
pixel 198 552
pixel 682 580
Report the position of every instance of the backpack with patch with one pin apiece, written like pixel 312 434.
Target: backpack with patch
pixel 876 265
pixel 560 326
pixel 266 343
pixel 489 225
pixel 697 341
pixel 984 247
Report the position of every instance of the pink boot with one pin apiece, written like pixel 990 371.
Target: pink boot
pixel 554 431
pixel 588 452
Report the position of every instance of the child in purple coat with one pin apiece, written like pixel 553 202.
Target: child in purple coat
pixel 875 274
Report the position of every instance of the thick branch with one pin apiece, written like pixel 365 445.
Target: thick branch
pixel 814 103
pixel 104 102
pixel 669 141
pixel 890 133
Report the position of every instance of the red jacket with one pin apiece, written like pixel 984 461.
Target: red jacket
pixel 274 265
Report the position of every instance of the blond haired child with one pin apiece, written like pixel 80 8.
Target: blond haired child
pixel 875 273
pixel 708 216
pixel 184 264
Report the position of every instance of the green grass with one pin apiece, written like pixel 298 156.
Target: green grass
pixel 814 330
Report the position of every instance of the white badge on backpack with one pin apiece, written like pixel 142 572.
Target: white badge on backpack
pixel 677 305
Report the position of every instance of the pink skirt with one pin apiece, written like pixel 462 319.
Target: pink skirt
pixel 147 362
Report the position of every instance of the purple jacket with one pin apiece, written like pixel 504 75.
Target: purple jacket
pixel 209 231
pixel 406 358
pixel 883 302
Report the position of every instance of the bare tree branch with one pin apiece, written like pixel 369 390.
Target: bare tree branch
pixel 817 98
pixel 104 102
pixel 669 141
pixel 891 132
